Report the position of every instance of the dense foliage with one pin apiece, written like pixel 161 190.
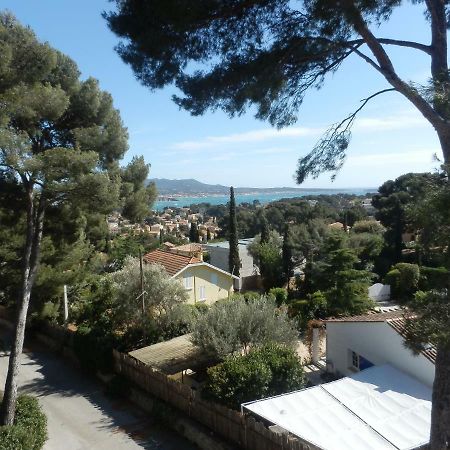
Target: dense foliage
pixel 392 203
pixel 266 55
pixel 263 372
pixel 236 325
pixel 29 431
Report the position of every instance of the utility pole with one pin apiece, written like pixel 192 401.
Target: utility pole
pixel 66 307
pixel 142 283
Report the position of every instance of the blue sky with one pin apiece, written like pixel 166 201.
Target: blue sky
pixel 390 138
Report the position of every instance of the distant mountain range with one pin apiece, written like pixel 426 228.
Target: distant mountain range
pixel 193 187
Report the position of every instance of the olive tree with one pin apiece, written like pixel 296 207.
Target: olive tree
pixel 237 325
pixel 153 297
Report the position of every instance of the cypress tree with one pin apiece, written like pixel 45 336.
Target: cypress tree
pixel 193 233
pixel 234 262
pixel 288 266
pixel 265 232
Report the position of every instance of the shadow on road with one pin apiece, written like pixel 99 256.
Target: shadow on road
pixel 53 379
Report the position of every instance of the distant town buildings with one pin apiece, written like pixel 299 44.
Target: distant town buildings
pixel 176 222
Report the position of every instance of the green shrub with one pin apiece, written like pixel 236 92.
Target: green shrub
pixel 201 308
pixel 136 337
pixel 404 281
pixel 266 371
pixel 29 431
pixel 14 438
pixel 49 312
pixel 298 307
pixel 280 295
pixel 248 295
pixel 434 278
pixel 237 326
pixel 314 307
pixel 93 348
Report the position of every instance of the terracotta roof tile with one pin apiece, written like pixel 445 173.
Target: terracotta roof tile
pixel 192 247
pixel 172 262
pixel 372 316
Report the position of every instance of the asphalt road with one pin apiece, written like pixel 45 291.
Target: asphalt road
pixel 79 414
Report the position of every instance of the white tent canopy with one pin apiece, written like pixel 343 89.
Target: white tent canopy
pixel 378 408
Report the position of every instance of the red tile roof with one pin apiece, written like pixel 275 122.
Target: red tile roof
pixel 172 262
pixel 371 316
pixel 192 247
pixel 396 319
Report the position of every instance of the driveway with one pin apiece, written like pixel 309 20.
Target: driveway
pixel 80 416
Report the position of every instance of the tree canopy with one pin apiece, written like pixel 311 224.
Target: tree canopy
pixel 236 325
pixel 263 372
pixel 268 54
pixel 61 140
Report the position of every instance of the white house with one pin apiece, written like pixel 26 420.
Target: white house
pixel 359 342
pixel 380 408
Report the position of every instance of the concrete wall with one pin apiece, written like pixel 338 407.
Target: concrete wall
pixel 379 343
pixel 219 258
pixel 216 285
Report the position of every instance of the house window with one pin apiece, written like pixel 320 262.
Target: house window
pixel 355 360
pixel 358 362
pixel 201 293
pixel 188 282
pixel 214 278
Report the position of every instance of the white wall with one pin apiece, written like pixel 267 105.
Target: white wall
pixel 380 292
pixel 379 343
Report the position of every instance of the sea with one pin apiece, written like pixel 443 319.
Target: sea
pixel 263 198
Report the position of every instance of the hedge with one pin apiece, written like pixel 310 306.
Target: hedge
pixel 29 431
pixel 434 278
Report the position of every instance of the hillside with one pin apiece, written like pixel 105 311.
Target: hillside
pixel 192 187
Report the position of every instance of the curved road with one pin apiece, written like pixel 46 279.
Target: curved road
pixel 80 416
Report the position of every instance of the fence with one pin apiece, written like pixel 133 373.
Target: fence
pixel 240 429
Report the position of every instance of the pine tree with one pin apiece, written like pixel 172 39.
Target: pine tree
pixel 60 139
pixel 234 262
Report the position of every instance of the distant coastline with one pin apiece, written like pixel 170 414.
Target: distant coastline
pixel 180 200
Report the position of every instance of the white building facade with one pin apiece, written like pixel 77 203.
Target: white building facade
pixel 360 342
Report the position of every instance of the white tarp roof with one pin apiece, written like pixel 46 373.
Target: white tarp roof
pixel 378 408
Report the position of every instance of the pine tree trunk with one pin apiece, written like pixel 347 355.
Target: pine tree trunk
pixel 35 220
pixel 440 414
pixel 444 139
